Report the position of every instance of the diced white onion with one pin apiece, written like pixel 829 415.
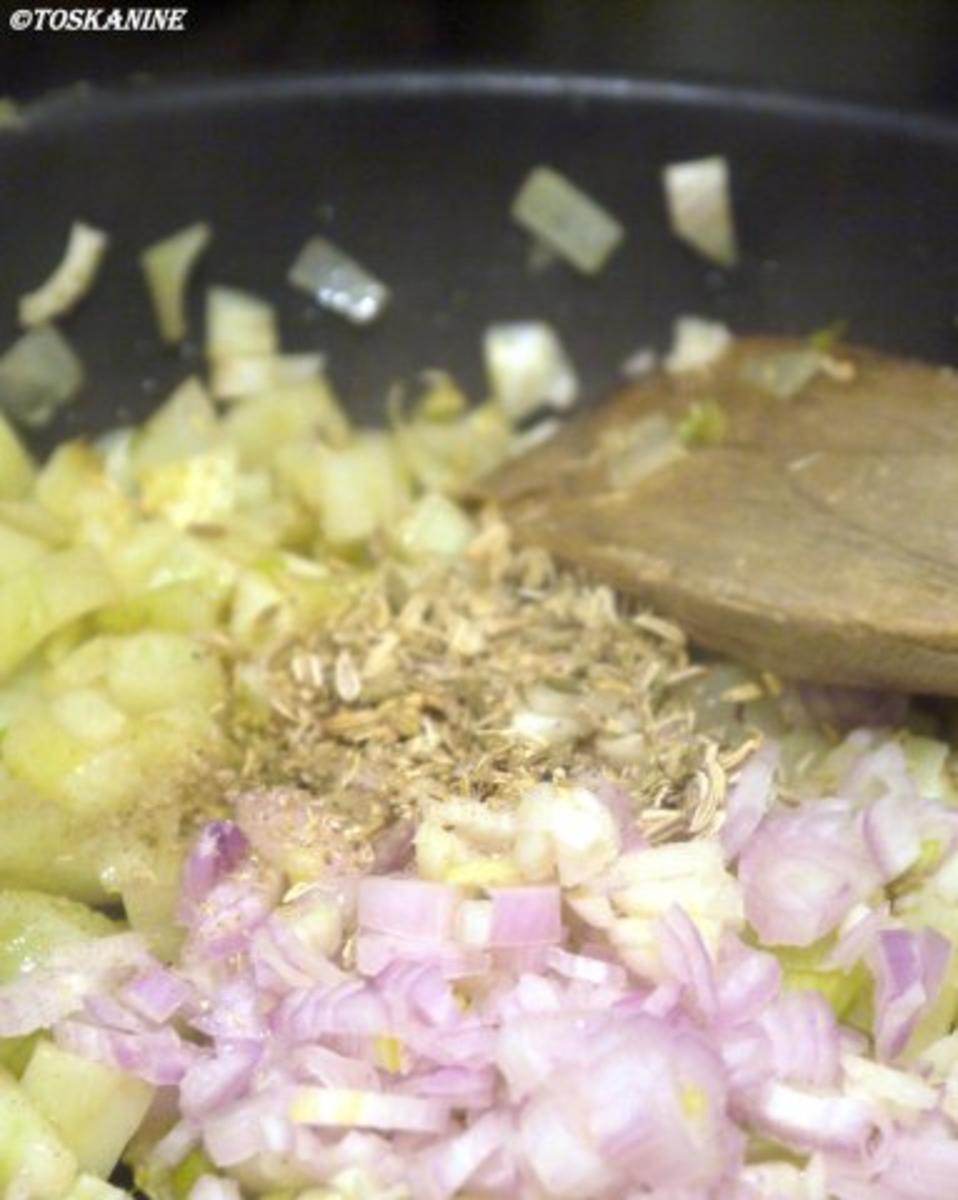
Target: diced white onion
pixel 699 203
pixel 167 265
pixel 696 344
pixel 39 374
pixel 246 374
pixel 238 324
pixel 528 368
pixel 564 218
pixel 71 279
pixel 337 282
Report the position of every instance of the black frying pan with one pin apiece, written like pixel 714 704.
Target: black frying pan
pixel 844 213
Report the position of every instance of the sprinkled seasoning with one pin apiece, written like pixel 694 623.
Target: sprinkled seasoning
pixel 475 681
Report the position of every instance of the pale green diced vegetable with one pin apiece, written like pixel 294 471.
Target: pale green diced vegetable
pixel 16 465
pixel 89 715
pixel 84 666
pixel 150 671
pixel 95 1109
pixel 185 425
pixel 434 527
pixel 167 265
pixel 44 847
pixel 566 220
pixel 18 550
pixel 239 324
pixel 148 879
pixel 34 1162
pixel 193 491
pixel 175 608
pixel 72 278
pixel 39 374
pixel 90 780
pixel 36 602
pixel 32 924
pixel 259 425
pixel 247 374
pixel 31 518
pixel 359 488
pixel 89 1187
pixel 43 753
pixel 74 488
pixel 447 456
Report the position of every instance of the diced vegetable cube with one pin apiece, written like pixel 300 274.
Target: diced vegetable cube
pixel 37 601
pixel 260 424
pixel 44 847
pixel 32 924
pixel 185 425
pixel 150 671
pixel 94 1109
pixel 33 1160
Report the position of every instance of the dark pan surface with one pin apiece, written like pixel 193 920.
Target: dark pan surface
pixel 843 213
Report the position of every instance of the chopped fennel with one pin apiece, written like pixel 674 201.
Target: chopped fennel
pixel 696 344
pixel 71 279
pixel 337 282
pixel 246 374
pixel 699 204
pixel 239 325
pixel 528 368
pixel 562 217
pixel 39 374
pixel 167 266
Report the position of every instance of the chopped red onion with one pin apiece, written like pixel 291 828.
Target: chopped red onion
pixel 750 799
pixel 909 970
pixel 157 994
pixel 523 916
pixel 407 908
pixel 802 872
pixel 158 1056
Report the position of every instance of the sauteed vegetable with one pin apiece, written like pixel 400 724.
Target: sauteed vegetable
pixel 351 850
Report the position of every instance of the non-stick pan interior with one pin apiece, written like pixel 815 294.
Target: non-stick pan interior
pixel 843 214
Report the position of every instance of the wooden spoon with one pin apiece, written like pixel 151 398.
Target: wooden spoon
pixel 819 540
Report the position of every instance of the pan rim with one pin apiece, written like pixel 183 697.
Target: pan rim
pixel 138 98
